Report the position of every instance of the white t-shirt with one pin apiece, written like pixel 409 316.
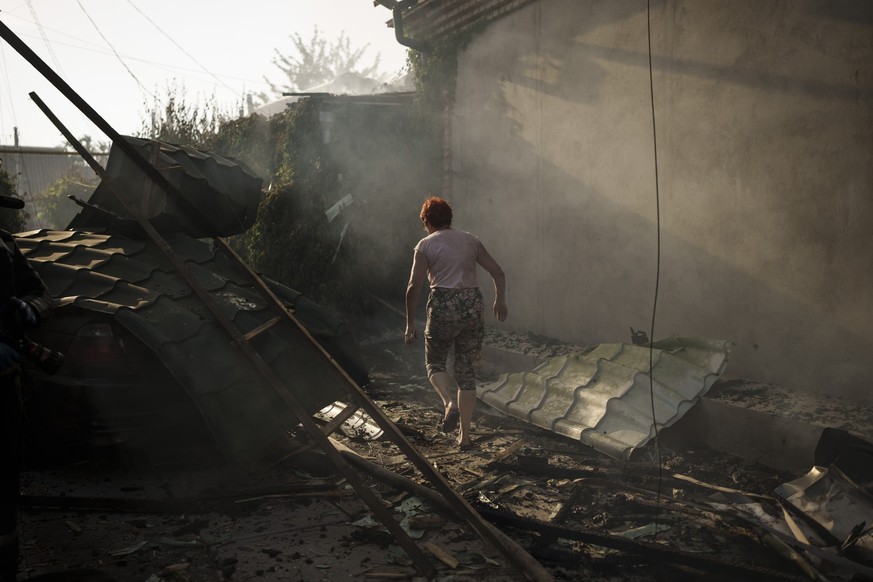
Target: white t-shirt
pixel 451 258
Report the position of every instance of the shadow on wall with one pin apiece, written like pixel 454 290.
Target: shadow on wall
pixel 581 265
pixel 590 274
pixel 574 75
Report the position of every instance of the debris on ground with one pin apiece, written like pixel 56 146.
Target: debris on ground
pixel 676 511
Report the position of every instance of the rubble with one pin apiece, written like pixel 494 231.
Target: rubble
pixel 670 513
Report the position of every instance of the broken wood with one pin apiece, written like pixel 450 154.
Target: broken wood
pixel 441 555
pixel 532 568
pixel 191 505
pixel 339 419
pixel 565 507
pixel 426 522
pixel 653 552
pixel 509 450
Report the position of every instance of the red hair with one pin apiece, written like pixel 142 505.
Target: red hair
pixel 436 212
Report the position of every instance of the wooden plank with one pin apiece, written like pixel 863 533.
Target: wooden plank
pixel 440 554
pixel 422 564
pixel 532 569
pixel 509 450
pixel 262 328
pixel 461 506
pixel 339 419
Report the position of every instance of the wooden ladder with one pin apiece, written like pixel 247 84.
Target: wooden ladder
pixel 358 399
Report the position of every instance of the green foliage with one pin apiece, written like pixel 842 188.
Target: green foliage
pixel 179 121
pixel 53 207
pixel 288 241
pixel 435 72
pixel 10 220
pixel 386 157
pixel 387 160
pixel 317 61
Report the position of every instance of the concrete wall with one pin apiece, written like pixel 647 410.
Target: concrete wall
pixel 764 122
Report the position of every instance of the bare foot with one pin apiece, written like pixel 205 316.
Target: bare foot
pixel 450 419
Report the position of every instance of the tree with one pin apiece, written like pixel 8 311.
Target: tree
pixel 318 61
pixel 53 207
pixel 10 220
pixel 180 121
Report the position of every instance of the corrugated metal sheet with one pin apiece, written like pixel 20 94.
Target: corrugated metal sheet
pixel 603 398
pixel 219 195
pixel 837 493
pixel 134 283
pixel 435 19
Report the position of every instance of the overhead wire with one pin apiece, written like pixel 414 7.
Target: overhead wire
pixel 45 39
pixel 118 56
pixel 22 166
pixel 657 262
pixel 186 53
pixel 9 91
pixel 100 49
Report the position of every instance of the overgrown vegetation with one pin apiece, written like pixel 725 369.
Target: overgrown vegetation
pixel 317 61
pixel 435 72
pixel 53 208
pixel 10 220
pixel 176 119
pixel 384 158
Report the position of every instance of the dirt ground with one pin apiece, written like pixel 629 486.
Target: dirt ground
pixel 168 516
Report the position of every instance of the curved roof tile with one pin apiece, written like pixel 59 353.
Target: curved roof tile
pixel 132 282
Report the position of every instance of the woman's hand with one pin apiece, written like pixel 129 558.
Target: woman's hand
pixel 501 311
pixel 410 335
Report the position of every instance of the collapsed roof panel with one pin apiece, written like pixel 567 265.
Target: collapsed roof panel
pixel 244 413
pixel 837 492
pixel 605 397
pixel 219 196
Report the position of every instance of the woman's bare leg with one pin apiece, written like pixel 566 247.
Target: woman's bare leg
pixel 442 382
pixel 466 406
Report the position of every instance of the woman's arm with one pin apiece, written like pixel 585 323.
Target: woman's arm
pixel 413 290
pixel 501 311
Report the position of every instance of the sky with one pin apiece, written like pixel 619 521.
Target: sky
pixel 119 55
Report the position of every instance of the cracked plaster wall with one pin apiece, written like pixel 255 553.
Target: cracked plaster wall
pixel 765 156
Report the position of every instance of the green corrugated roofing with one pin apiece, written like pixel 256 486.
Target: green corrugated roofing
pixel 132 281
pixel 604 397
pixel 217 195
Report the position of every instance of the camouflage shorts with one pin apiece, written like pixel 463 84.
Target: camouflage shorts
pixel 454 318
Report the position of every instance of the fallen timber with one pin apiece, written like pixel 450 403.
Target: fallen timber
pixel 256 360
pixel 502 518
pixel 206 503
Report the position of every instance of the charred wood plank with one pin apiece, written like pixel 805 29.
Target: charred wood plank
pixel 657 554
pixel 534 568
pixel 199 504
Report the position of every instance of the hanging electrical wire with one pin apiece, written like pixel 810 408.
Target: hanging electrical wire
pixel 186 53
pixel 118 56
pixel 45 39
pixel 657 261
pixel 8 90
pixel 22 165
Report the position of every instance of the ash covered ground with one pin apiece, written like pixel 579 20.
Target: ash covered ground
pixel 166 516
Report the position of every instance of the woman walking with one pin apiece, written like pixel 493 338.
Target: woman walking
pixel 448 258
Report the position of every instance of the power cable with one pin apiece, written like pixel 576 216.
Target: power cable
pixel 657 263
pixel 22 168
pixel 118 56
pixel 98 48
pixel 172 40
pixel 45 38
pixel 9 91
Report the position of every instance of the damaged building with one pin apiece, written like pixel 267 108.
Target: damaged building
pixel 698 171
